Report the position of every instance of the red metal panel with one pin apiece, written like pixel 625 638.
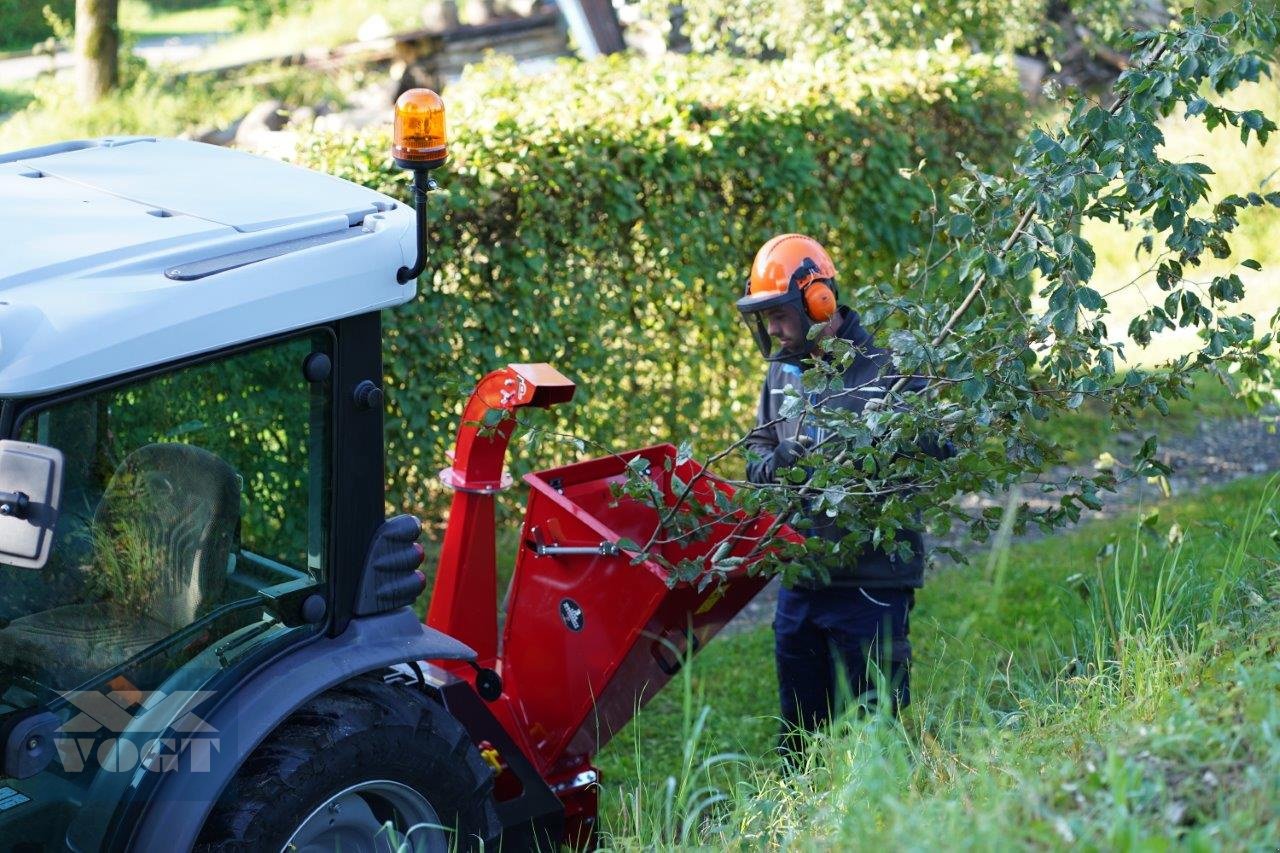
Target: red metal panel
pixel 572 687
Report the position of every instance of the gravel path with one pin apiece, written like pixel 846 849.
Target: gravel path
pixel 1217 452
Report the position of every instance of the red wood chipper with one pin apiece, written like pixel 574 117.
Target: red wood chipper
pixel 590 633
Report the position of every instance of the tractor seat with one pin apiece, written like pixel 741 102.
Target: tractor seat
pixel 161 536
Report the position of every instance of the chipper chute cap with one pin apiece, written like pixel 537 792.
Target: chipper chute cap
pixel 419 137
pixel 792 282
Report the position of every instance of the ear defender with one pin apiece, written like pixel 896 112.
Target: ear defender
pixel 816 288
pixel 819 301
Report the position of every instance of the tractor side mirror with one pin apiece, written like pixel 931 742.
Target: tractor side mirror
pixel 30 491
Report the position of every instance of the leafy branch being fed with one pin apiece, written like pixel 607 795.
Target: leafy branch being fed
pixel 993 366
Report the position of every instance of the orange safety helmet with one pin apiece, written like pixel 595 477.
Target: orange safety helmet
pixel 790 271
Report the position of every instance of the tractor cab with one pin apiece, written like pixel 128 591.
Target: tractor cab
pixel 186 328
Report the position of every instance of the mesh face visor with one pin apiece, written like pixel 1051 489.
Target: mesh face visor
pixel 755 311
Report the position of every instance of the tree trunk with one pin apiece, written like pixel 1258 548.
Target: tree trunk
pixel 97 49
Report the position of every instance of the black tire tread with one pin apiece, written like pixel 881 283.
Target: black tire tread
pixel 377 721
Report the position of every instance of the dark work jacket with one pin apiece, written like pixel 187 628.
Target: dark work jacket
pixel 871 373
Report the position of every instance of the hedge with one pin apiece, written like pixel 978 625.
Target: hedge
pixel 602 217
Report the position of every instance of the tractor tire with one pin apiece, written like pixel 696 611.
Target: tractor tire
pixel 346 762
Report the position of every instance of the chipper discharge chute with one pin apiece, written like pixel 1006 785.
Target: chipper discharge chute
pixel 591 631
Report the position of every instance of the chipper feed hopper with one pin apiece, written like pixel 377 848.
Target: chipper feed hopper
pixel 207 633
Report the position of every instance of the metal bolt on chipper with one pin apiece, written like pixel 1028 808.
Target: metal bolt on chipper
pixel 207 638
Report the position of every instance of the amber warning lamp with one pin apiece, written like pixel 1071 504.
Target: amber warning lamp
pixel 419 145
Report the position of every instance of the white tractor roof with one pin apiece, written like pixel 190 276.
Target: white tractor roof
pixel 119 254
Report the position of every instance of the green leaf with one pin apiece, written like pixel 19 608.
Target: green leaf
pixel 1023 263
pixel 1082 263
pixel 1090 299
pixel 655 205
pixel 974 388
pixel 1064 321
pixel 684 453
pixel 961 225
pixel 1041 141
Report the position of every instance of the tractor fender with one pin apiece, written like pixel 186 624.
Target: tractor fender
pixel 176 808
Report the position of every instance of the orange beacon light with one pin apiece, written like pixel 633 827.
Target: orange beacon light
pixel 418 143
pixel 419 140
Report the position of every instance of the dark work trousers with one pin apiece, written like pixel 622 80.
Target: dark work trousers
pixel 821 635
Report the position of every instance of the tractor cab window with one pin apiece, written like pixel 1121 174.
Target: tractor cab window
pixel 194 503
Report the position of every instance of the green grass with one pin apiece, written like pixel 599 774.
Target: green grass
pixel 1085 433
pixel 142 19
pixel 146 19
pixel 15 97
pixel 1100 689
pixel 156 105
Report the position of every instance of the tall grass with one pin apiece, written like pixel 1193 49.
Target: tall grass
pixel 677 810
pixel 1147 715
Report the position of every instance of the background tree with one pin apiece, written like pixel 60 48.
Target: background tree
pixel 97 48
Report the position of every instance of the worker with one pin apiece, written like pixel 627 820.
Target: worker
pixel 856 623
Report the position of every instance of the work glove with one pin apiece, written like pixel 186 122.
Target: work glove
pixel 787 452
